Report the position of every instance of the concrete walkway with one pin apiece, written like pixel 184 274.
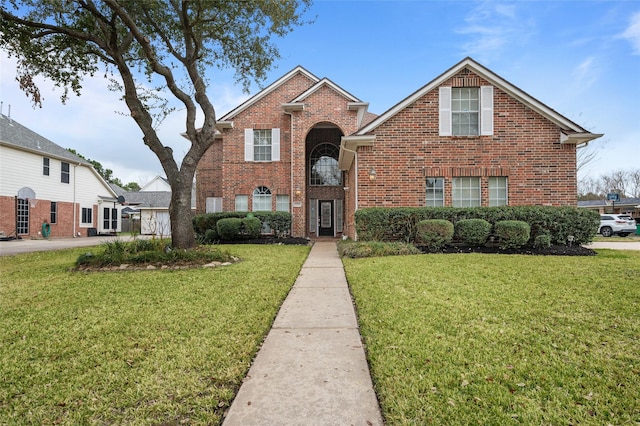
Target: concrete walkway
pixel 311 369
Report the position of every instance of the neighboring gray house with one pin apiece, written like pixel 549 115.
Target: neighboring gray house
pixel 151 203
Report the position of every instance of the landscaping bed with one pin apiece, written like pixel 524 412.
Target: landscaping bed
pixel 554 250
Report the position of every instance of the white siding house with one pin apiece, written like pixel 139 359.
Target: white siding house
pixel 47 191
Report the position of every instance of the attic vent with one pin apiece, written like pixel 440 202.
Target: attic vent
pixel 465 71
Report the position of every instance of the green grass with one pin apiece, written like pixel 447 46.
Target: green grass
pixel 500 339
pixel 149 347
pixel 617 239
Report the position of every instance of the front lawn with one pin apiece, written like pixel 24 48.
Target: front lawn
pixel 148 347
pixel 502 339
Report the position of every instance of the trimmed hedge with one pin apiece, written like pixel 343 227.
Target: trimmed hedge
pixel 205 225
pixel 472 232
pixel 512 233
pixel 229 228
pixel 434 233
pixel 399 224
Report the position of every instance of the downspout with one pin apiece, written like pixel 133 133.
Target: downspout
pixel 75 209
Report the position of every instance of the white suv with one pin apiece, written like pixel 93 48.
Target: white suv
pixel 622 225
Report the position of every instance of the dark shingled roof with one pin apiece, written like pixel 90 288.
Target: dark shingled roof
pixel 16 135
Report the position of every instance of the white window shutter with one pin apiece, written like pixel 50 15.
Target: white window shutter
pixel 248 144
pixel 275 144
pixel 445 111
pixel 486 113
pixel 339 215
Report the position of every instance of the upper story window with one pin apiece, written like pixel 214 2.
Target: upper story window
pixel 261 145
pixel 45 166
pixel 466 111
pixel 323 165
pixel 64 175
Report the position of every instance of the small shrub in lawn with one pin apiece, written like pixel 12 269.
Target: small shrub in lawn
pixel 512 233
pixel 251 227
pixel 434 233
pixel 229 228
pixel 472 232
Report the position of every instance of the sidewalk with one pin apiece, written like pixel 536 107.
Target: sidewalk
pixel 311 368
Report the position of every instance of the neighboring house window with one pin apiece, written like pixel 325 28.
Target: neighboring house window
pixel 22 222
pixel 261 199
pixel 466 191
pixel 261 145
pixel 64 177
pixel 498 191
pixel 213 205
pixel 54 212
pixel 110 218
pixel 242 203
pixel 466 111
pixel 282 203
pixel 323 164
pixel 87 216
pixel 435 192
pixel 45 166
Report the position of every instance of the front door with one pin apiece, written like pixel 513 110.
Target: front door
pixel 326 218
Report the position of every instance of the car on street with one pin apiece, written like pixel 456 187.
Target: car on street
pixel 616 224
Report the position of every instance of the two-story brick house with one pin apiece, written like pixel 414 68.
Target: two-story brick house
pixel 467 138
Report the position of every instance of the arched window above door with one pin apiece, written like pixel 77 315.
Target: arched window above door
pixel 323 166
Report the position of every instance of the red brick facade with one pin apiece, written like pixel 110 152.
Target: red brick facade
pixel 525 147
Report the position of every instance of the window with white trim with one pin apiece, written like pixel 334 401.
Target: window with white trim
pixel 465 191
pixel 282 203
pixel 65 173
pixel 54 212
pixel 213 205
pixel 262 145
pixel 435 192
pixel 498 191
pixel 45 166
pixel 261 199
pixel 242 203
pixel 466 111
pixel 87 216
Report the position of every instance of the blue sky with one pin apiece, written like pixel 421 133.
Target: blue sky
pixel 581 58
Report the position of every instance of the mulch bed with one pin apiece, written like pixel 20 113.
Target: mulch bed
pixel 557 250
pixel 574 250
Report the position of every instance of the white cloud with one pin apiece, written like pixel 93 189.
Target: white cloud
pixel 492 27
pixel 586 73
pixel 632 33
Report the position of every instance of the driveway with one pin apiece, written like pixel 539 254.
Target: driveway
pixel 12 247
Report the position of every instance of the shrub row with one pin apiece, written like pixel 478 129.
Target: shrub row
pixel 250 225
pixel 548 225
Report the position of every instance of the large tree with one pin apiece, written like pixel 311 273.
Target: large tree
pixel 156 52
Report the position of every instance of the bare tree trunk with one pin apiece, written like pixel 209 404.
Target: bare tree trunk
pixel 182 234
